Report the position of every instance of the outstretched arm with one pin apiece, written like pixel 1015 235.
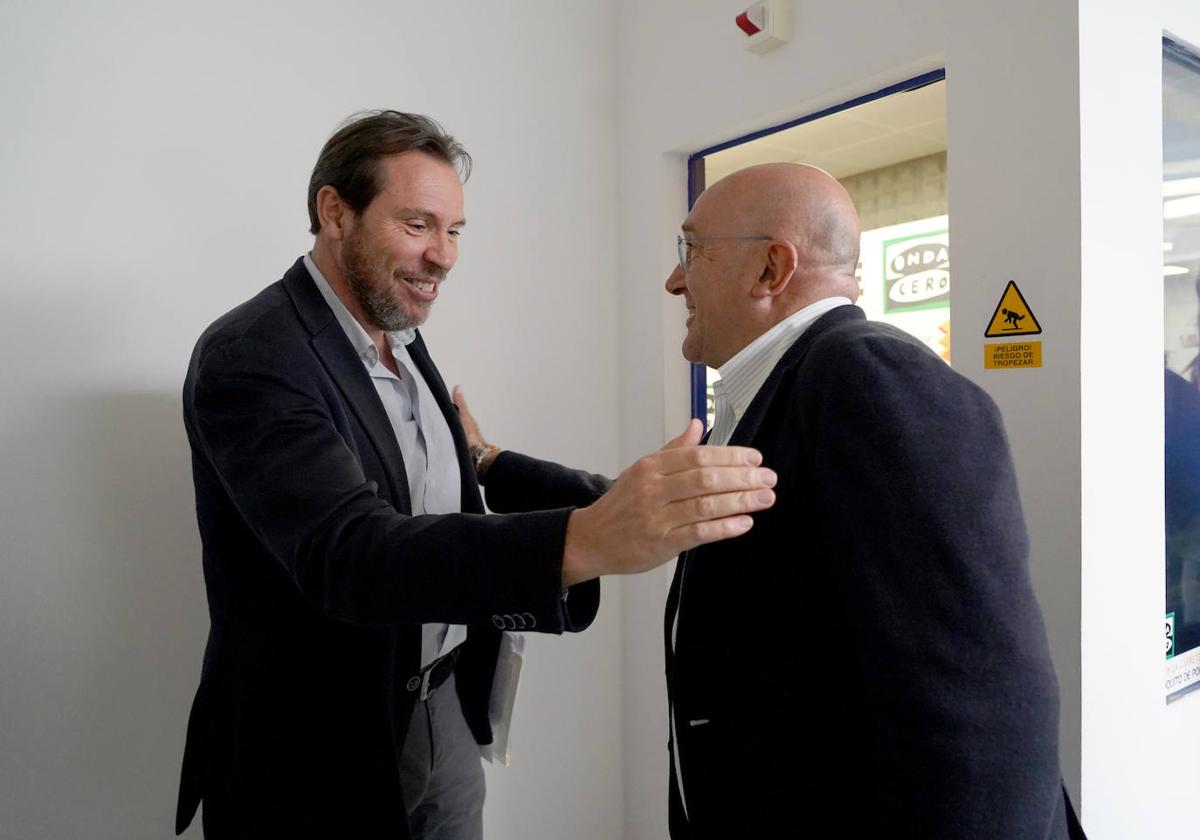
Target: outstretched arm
pixel 667 502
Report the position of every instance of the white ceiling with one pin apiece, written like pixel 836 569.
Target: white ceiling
pixel 880 133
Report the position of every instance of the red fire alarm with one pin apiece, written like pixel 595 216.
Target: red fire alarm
pixel 766 25
pixel 751 20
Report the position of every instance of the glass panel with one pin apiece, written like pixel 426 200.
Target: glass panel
pixel 1181 301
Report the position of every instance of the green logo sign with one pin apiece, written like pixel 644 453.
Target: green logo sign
pixel 1170 635
pixel 916 272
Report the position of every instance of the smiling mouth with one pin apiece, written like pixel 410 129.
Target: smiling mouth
pixel 426 286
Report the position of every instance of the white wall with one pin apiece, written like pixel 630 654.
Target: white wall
pixel 1012 109
pixel 155 158
pixel 1141 758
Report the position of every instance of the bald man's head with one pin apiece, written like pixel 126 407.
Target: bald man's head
pixel 793 201
pixel 765 242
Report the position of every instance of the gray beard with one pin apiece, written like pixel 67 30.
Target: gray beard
pixel 378 303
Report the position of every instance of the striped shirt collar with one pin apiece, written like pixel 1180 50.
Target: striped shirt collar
pixel 363 345
pixel 744 374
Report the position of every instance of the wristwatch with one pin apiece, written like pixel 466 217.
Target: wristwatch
pixel 480 453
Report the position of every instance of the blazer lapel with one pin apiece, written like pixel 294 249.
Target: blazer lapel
pixel 346 369
pixel 672 608
pixel 472 501
pixel 676 590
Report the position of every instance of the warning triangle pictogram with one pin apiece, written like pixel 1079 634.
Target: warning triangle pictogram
pixel 1012 316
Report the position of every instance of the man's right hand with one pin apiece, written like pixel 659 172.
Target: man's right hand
pixel 667 502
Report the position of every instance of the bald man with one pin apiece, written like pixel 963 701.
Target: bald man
pixel 869 660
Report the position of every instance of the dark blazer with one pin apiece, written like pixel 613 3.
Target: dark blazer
pixel 318 579
pixel 869 660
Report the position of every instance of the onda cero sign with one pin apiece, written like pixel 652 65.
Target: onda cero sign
pixel 916 272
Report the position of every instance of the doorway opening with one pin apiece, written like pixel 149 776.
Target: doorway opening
pixel 888 149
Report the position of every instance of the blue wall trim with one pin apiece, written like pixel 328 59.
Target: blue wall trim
pixel 700 394
pixel 695 186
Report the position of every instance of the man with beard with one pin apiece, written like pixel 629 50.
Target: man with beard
pixel 356 592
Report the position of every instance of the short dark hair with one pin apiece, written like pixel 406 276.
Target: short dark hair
pixel 349 161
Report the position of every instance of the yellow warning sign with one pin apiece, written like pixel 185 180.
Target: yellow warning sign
pixel 1012 316
pixel 1012 354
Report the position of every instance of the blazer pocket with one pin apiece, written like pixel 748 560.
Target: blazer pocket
pixel 708 769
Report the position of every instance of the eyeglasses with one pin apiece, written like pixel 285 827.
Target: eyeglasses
pixel 685 246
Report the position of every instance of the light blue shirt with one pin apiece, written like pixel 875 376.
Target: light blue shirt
pixel 430 461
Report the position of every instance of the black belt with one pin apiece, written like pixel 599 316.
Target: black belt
pixel 433 675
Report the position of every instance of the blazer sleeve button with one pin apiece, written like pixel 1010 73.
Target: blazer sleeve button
pixel 498 621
